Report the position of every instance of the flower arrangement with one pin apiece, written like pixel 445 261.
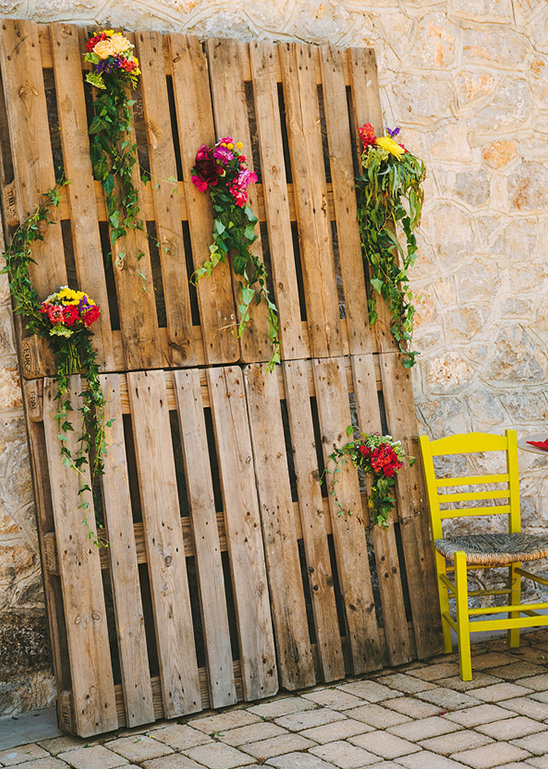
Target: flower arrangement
pixel 379 456
pixel 390 197
pixel 63 319
pixel 115 69
pixel 221 170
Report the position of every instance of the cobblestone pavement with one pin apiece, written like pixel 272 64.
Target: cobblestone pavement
pixel 417 716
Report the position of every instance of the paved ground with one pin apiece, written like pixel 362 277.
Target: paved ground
pixel 418 716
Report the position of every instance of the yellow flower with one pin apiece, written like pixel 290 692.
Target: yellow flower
pixel 389 145
pixel 239 145
pixel 108 32
pixel 104 49
pixel 229 146
pixel 120 43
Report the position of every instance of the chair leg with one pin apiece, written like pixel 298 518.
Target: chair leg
pixel 463 621
pixel 515 598
pixel 443 593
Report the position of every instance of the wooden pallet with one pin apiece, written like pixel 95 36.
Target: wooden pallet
pixel 229 572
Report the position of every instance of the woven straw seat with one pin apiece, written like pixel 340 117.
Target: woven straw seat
pixel 494 549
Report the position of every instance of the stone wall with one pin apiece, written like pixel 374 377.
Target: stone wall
pixel 467 80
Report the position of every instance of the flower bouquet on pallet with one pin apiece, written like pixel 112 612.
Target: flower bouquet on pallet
pixel 221 170
pixel 378 456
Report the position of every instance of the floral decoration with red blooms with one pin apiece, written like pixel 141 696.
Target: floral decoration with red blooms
pixel 110 52
pixel 379 456
pixel 69 311
pixel 222 171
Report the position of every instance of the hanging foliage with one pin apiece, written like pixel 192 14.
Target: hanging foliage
pixel 63 319
pixel 390 197
pixel 221 170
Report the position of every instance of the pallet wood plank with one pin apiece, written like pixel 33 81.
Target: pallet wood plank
pixel 348 530
pixel 165 197
pixel 305 145
pixel 209 566
pixel 398 647
pixel 82 586
pixel 264 57
pixel 243 528
pixel 367 109
pixel 195 126
pixel 231 119
pixel 411 500
pixel 314 520
pixel 164 543
pixel 27 114
pixel 122 554
pixel 80 193
pixel 360 335
pixel 295 663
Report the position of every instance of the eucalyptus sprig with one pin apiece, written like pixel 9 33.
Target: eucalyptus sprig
pixel 70 340
pixel 390 197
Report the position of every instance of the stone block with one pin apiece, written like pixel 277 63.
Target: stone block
pixel 333 698
pixel 448 699
pixel 22 753
pixel 527 707
pixel 276 746
pixel 384 744
pixel 138 747
pixel 490 756
pixel 534 743
pixel 410 707
pixel 455 742
pixel 230 719
pixel 344 755
pixel 252 733
pixel 408 684
pixel 380 716
pixel 92 757
pixel 299 761
pixel 307 719
pixel 179 736
pixel 482 10
pixel 281 706
pixel 500 692
pixel 369 690
pixel 338 730
pixel 480 714
pixel 511 728
pixel 171 761
pixel 423 728
pixel 216 755
pixel 427 760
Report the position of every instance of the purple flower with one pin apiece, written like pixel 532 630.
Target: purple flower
pixel 223 155
pixel 393 133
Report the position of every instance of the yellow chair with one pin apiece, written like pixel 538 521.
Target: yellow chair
pixel 455 555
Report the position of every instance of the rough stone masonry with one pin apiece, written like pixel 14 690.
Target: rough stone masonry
pixel 468 82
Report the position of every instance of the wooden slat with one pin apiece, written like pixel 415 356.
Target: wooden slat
pixel 348 529
pixel 314 519
pixel 367 109
pixel 195 124
pixel 122 554
pixel 264 56
pixel 163 168
pixel 295 663
pixel 164 543
pixel 231 119
pixel 243 528
pixel 360 335
pixel 305 145
pixel 209 566
pixel 389 575
pixel 83 598
pixel 30 143
pixel 411 501
pixel 80 193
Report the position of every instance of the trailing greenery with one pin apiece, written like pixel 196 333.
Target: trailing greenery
pixel 390 197
pixel 63 319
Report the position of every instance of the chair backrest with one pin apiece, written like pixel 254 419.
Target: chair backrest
pixel 470 443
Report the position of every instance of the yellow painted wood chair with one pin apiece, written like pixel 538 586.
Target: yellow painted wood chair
pixel 456 555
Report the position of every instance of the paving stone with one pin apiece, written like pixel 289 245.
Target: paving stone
pixel 276 746
pixel 180 736
pixel 537 683
pixel 338 730
pixel 62 744
pixel 333 698
pixel 410 706
pixel 427 760
pixel 384 744
pixel 251 733
pixel 423 728
pixel 491 660
pixel 479 714
pixel 94 757
pixel 369 690
pixel 480 680
pixel 490 756
pixel 534 743
pixel 539 696
pixel 455 742
pixel 299 761
pixel 541 762
pixel 309 718
pixel 344 755
pixel 385 765
pixel 433 672
pixel 43 763
pixel 518 669
pixel 230 719
pixel 526 706
pixel 511 728
pixel 22 753
pixel 281 707
pixel 448 699
pixel 407 684
pixel 216 755
pixel 138 747
pixel 500 692
pixel 171 761
pixel 378 716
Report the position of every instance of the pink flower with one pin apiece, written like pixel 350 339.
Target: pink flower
pixel 55 314
pixel 202 186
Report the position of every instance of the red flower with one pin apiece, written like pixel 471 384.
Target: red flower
pixel 205 168
pixel 367 135
pixel 91 315
pixel 70 315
